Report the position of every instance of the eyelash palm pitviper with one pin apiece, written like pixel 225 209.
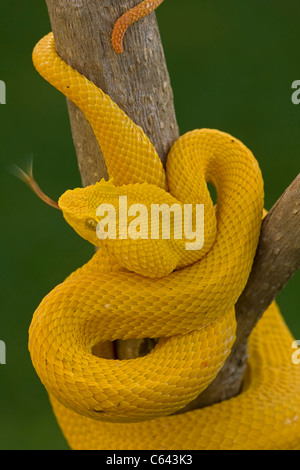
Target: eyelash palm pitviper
pixel 129 289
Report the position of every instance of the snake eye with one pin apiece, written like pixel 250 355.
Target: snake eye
pixel 91 224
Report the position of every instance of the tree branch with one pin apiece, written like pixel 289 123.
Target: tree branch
pixel 138 82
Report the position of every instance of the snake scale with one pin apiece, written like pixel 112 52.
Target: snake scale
pixel 147 288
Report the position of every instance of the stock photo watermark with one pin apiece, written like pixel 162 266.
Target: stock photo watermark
pixel 2 352
pixel 2 92
pixel 296 94
pixel 139 228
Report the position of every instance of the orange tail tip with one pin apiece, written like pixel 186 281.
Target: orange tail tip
pixel 130 17
pixel 29 179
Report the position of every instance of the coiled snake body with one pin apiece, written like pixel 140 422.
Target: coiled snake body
pixel 147 288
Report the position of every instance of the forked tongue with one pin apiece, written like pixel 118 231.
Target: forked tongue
pixel 30 181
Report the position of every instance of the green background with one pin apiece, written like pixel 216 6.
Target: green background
pixel 231 65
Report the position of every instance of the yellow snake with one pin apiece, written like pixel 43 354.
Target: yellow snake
pixel 154 288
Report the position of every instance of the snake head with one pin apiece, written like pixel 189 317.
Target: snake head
pixel 126 221
pixel 79 207
pixel 118 219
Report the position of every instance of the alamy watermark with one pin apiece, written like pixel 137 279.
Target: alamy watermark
pixel 139 227
pixel 296 94
pixel 2 352
pixel 2 92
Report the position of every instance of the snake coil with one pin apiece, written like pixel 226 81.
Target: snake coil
pixel 142 288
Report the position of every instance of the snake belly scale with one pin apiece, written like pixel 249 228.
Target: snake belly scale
pixel 126 291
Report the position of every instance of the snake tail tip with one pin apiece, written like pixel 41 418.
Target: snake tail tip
pixel 117 40
pixel 128 18
pixel 118 48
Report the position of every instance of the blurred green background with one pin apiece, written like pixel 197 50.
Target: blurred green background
pixel 231 65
